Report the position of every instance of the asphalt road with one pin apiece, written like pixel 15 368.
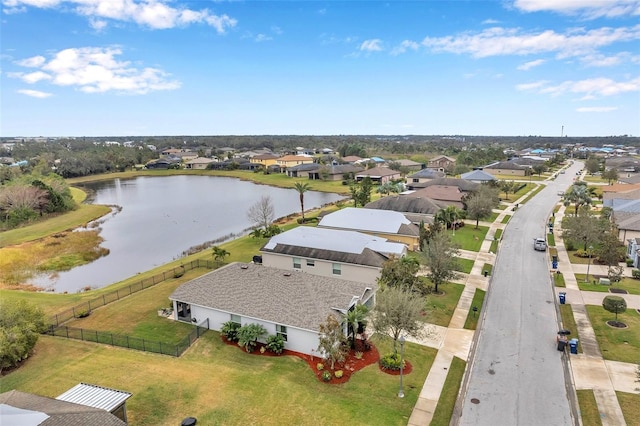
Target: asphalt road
pixel 517 375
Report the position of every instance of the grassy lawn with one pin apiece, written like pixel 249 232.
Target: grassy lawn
pixel 464 265
pixel 470 238
pixel 446 403
pixel 472 317
pixel 219 384
pixel 439 308
pixel 558 280
pixel 569 323
pixel 630 404
pixel 506 218
pixel 496 239
pixel 588 408
pixel 551 240
pixel 630 284
pixel 487 267
pixel 616 344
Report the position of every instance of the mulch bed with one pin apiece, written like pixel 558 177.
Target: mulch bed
pixel 350 366
pixel 616 324
pixel 618 290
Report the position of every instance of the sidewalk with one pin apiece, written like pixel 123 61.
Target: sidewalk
pixel 589 369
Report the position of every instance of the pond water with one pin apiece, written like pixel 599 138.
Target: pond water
pixel 162 217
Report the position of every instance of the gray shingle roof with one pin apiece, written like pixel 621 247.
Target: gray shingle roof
pixel 464 185
pixel 294 299
pixel 476 175
pixel 427 174
pixel 406 204
pixel 61 413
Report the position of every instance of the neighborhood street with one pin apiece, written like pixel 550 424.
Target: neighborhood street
pixel 517 375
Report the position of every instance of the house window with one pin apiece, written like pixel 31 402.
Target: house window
pixel 336 269
pixel 297 263
pixel 236 319
pixel 281 330
pixel 311 263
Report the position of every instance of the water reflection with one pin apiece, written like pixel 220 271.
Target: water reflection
pixel 162 217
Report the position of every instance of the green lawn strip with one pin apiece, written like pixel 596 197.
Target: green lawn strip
pixel 630 404
pixel 569 323
pixel 496 240
pixel 506 218
pixel 465 265
pixel 588 408
pixel 219 384
pixel 439 308
pixel 472 317
pixel 616 344
pixel 631 285
pixel 469 238
pixel 551 240
pixel 558 280
pixel 447 401
pixel 487 267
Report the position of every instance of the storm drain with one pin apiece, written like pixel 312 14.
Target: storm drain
pixel 475 401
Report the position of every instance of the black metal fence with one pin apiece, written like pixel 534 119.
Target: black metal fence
pixel 129 342
pixel 84 308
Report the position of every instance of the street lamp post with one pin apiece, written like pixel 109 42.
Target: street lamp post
pixel 586 280
pixel 401 391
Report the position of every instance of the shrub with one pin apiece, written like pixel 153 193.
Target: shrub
pixel 359 355
pixel 582 253
pixel 391 362
pixel 326 376
pixel 338 374
pixel 230 330
pixel 275 343
pixel 320 366
pixel 179 272
pixel 83 313
pixel 635 273
pixel 249 334
pixel 570 245
pixel 614 304
pixel 629 262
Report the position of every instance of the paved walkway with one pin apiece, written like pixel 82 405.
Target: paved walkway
pixel 589 369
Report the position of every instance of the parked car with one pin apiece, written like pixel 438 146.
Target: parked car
pixel 539 244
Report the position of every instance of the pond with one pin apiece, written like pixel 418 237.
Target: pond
pixel 160 218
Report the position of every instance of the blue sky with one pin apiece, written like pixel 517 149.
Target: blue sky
pixel 174 67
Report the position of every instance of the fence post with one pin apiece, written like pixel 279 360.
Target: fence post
pixel 74 311
pixel 97 337
pixel 160 347
pixel 128 343
pixel 81 334
pixel 118 294
pixel 111 334
pixel 143 347
pixel 67 330
pixel 89 304
pixel 104 301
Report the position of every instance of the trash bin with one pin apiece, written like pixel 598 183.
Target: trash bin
pixel 485 273
pixel 573 345
pixel 562 344
pixel 563 297
pixel 554 264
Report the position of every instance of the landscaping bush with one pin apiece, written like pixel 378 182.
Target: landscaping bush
pixel 629 262
pixel 338 374
pixel 391 362
pixel 275 343
pixel 83 313
pixel 614 304
pixel 249 334
pixel 230 331
pixel 635 273
pixel 320 366
pixel 326 376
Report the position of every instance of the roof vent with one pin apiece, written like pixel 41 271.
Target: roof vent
pixel 244 266
pixel 287 274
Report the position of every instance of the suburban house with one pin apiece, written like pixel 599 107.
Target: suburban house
pixel 351 159
pixel 293 160
pixel 478 176
pixel 347 255
pixel 290 304
pixel 163 163
pixel 409 164
pixel 265 160
pixel 302 170
pixel 463 185
pixel 379 175
pixel 89 405
pixel 425 175
pixel 441 163
pixel 444 195
pixel 507 168
pixel 391 225
pixel 199 163
pixel 323 171
pixel 415 208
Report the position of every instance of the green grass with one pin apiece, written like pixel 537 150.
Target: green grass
pixel 588 408
pixel 630 404
pixel 551 240
pixel 219 384
pixel 469 238
pixel 447 401
pixel 569 323
pixel 630 284
pixel 439 308
pixel 506 218
pixel 617 344
pixel 558 280
pixel 496 240
pixel 464 265
pixel 472 317
pixel 487 267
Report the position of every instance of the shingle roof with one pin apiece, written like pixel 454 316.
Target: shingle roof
pixel 61 413
pixel 372 220
pixel 627 221
pixel 378 172
pixel 506 165
pixel 463 184
pixel 476 175
pixel 294 299
pixel 406 203
pixel 334 245
pixel 440 192
pixel 427 174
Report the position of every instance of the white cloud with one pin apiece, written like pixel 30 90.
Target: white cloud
pixel 96 70
pixel 531 64
pixel 404 46
pixel 596 109
pixel 499 41
pixel 490 22
pixel 591 88
pixel 371 45
pixel 34 93
pixel 263 37
pixel 98 24
pixel 600 60
pixel 587 8
pixel 155 14
pixel 33 62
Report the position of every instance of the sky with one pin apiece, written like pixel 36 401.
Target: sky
pixel 180 67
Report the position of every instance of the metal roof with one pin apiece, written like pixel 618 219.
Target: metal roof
pixel 371 220
pixel 95 396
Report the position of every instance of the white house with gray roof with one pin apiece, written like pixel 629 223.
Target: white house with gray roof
pixel 292 304
pixel 388 224
pixel 347 255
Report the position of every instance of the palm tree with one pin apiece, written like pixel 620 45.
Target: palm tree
pixel 449 216
pixel 355 320
pixel 579 194
pixel 219 254
pixel 302 188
